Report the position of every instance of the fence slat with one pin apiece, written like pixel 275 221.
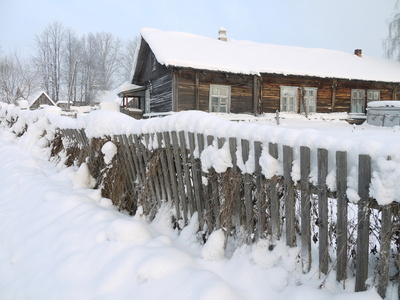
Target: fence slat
pixel 206 194
pixel 213 190
pixel 289 196
pixel 248 189
pixel 132 150
pixel 305 209
pixel 274 198
pixel 384 253
pixel 260 187
pixel 236 219
pixel 196 174
pixel 154 177
pixel 172 173
pixel 164 167
pixel 139 155
pixel 341 230
pixel 323 211
pixel 179 175
pixel 364 179
pixel 186 172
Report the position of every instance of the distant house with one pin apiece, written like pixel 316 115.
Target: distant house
pixel 63 104
pixel 40 99
pixel 177 71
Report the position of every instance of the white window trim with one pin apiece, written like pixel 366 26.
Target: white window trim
pixel 283 87
pixel 373 91
pixel 305 99
pixel 352 107
pixel 228 88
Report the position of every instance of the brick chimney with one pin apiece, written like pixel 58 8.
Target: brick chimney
pixel 358 52
pixel 222 34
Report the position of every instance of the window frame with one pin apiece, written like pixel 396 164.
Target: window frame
pixel 307 100
pixel 355 107
pixel 215 93
pixel 283 106
pixel 373 97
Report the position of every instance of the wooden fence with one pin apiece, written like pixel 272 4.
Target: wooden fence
pixel 167 166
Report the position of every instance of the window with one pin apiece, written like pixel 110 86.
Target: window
pixel 310 100
pixel 373 95
pixel 289 99
pixel 357 101
pixel 220 98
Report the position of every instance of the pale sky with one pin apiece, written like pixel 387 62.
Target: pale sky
pixel 342 25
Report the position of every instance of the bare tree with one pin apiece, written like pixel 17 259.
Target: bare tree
pixel 49 57
pixel 109 49
pixel 392 43
pixel 71 54
pixel 88 69
pixel 17 78
pixel 128 57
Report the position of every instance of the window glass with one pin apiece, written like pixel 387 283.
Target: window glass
pixel 220 98
pixel 289 99
pixel 357 101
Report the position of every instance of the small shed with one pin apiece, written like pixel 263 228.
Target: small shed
pixel 384 113
pixel 40 99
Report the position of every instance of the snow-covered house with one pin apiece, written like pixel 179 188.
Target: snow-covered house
pixel 40 99
pixel 177 71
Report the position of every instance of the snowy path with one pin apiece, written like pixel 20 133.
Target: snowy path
pixel 60 242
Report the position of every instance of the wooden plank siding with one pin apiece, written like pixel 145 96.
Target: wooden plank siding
pixel 241 90
pixel 271 84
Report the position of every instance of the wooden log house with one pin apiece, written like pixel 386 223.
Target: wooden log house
pixel 40 99
pixel 177 71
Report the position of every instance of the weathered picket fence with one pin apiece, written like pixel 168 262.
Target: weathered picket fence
pixel 167 166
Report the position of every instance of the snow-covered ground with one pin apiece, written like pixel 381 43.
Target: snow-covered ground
pixel 60 241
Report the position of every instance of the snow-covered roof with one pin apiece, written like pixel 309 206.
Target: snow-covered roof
pixel 180 49
pixel 31 99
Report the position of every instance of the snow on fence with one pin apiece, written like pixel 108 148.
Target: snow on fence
pixel 173 166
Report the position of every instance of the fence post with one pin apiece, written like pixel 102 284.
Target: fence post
pixel 341 230
pixel 289 196
pixel 305 209
pixel 364 179
pixel 323 211
pixel 274 198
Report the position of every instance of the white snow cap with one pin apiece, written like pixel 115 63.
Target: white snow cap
pixel 180 49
